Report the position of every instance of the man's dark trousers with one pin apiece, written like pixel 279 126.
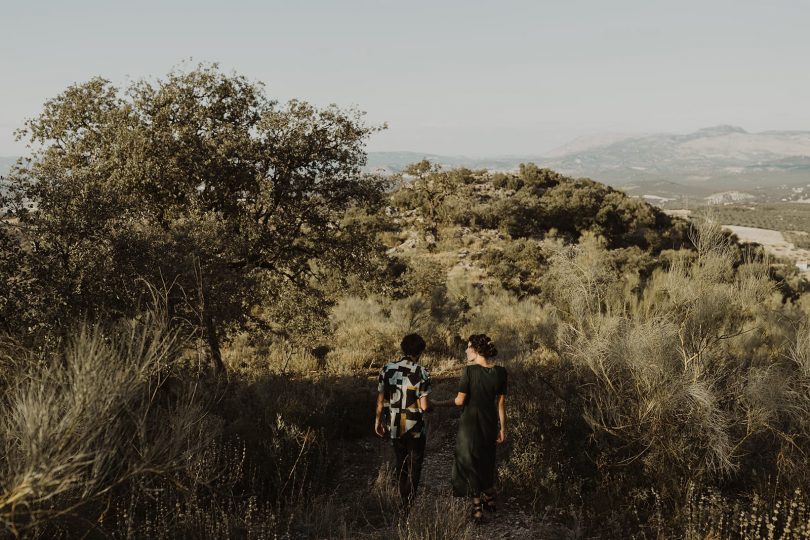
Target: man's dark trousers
pixel 409 452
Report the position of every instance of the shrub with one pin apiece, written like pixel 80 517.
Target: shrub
pixel 693 381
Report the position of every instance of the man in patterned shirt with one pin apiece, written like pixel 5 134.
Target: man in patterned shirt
pixel 402 399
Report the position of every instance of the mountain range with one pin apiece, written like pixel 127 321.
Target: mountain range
pixel 770 165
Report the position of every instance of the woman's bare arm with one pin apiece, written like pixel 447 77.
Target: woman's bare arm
pixel 458 401
pixel 501 418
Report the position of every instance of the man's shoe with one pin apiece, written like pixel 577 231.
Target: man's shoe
pixel 490 504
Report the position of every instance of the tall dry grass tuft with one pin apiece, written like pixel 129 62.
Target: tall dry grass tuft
pixel 112 413
pixel 664 370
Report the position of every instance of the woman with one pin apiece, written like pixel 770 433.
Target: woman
pixel 482 392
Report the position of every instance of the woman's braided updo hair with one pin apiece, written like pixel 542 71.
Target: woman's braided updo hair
pixel 483 345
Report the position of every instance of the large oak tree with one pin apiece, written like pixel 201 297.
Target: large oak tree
pixel 196 183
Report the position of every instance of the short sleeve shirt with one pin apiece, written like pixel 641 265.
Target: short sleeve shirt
pixel 402 383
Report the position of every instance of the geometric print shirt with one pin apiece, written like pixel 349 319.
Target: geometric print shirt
pixel 402 383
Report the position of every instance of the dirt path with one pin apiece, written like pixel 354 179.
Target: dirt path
pixel 368 455
pixel 512 520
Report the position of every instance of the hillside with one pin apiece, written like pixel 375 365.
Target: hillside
pixel 533 202
pixel 599 305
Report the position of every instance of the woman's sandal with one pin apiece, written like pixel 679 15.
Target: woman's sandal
pixel 489 502
pixel 477 513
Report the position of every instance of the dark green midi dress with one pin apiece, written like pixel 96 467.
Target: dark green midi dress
pixel 474 466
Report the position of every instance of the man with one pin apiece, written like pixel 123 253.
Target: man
pixel 402 399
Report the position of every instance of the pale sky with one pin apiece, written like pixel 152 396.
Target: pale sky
pixel 449 77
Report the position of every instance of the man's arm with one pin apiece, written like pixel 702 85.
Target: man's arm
pixel 379 429
pixel 425 403
pixel 425 388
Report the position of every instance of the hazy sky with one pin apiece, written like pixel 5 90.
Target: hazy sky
pixel 451 77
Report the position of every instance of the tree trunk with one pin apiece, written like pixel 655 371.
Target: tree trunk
pixel 210 328
pixel 213 341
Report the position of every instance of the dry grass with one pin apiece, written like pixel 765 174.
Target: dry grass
pixel 119 439
pixel 367 331
pixel 445 518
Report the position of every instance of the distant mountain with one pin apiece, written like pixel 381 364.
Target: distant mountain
pixel 770 165
pixel 717 159
pixel 396 161
pixel 587 142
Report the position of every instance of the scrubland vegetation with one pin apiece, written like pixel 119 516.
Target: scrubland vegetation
pixel 193 316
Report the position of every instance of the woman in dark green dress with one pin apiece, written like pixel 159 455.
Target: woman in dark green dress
pixel 482 393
